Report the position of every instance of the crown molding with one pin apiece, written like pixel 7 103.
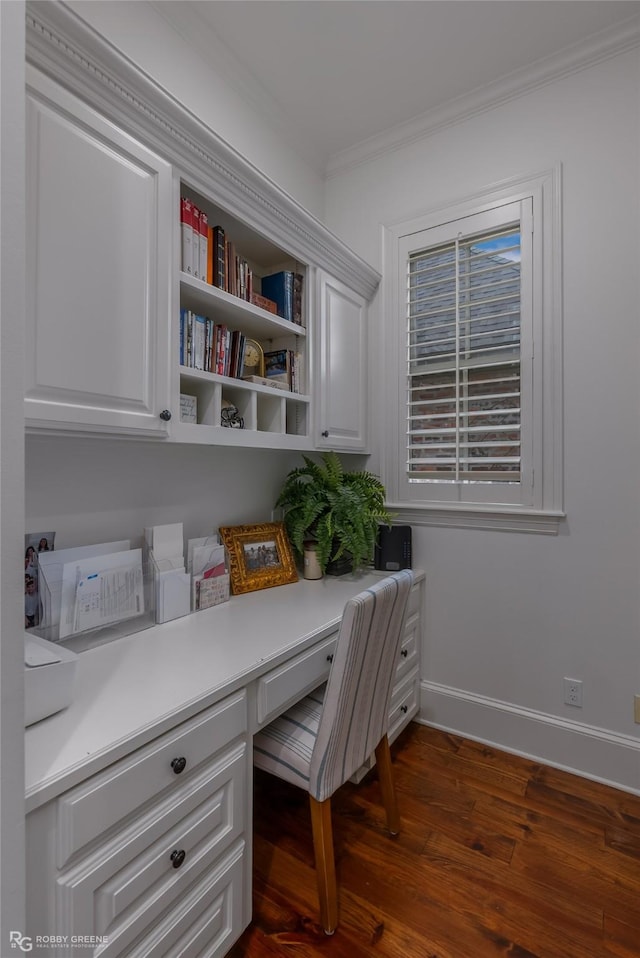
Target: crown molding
pixel 602 46
pixel 60 44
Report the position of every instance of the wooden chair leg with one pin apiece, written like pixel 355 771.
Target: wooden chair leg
pixel 387 787
pixel 325 864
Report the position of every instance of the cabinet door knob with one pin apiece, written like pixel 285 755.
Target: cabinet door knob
pixel 404 708
pixel 177 857
pixel 325 433
pixel 179 764
pixel 404 653
pixel 330 657
pixel 165 415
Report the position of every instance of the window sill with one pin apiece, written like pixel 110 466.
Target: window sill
pixel 494 518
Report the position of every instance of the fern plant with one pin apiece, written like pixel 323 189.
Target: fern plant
pixel 339 510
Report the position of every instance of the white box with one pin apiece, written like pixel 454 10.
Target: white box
pixel 49 675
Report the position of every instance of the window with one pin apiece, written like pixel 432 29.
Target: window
pixel 478 362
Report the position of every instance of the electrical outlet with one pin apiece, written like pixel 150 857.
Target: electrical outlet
pixel 573 692
pixel 636 709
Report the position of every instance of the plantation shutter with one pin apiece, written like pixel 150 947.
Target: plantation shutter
pixel 464 358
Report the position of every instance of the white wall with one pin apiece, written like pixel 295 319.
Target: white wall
pixel 145 36
pixel 92 490
pixel 509 615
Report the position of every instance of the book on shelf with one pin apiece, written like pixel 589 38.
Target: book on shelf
pixel 195 241
pixel 263 381
pixel 282 366
pixel 199 340
pixel 298 290
pixel 210 347
pixel 203 245
pixel 210 255
pixel 219 270
pixel 186 232
pixel 279 288
pixel 264 303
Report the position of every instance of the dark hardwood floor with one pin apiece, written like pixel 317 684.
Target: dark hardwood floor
pixel 498 856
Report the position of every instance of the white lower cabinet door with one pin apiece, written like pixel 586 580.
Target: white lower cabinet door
pixel 158 863
pixel 99 227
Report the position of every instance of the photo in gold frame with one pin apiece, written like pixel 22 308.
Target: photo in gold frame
pixel 260 556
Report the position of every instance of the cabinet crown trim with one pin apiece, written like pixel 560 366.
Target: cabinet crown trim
pixel 61 44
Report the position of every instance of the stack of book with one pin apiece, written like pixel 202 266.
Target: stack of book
pixel 194 230
pixel 209 346
pixel 282 367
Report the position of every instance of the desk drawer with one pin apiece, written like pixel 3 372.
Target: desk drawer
pixel 124 886
pixel 207 921
pixel 278 689
pixel 405 703
pixel 409 651
pixel 88 811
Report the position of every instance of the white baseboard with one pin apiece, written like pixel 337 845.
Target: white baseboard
pixel 595 753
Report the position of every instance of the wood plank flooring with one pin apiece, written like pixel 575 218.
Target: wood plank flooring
pixel 498 856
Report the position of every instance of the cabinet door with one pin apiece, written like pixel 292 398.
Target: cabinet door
pixel 98 267
pixel 341 382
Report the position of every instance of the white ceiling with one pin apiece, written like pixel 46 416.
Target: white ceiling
pixel 334 73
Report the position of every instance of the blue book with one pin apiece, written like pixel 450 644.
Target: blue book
pixel 279 288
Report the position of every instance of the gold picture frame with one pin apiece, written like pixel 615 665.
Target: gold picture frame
pixel 260 556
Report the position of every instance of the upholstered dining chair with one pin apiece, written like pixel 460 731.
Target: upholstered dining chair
pixel 321 741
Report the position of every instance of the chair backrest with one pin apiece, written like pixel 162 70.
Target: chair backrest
pixel 355 712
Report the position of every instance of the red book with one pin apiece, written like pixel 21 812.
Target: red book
pixel 186 225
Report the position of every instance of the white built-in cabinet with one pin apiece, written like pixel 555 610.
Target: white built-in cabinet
pixel 99 215
pixel 150 857
pixel 108 158
pixel 341 367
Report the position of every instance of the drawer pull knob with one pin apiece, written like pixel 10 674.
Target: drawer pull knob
pixel 404 653
pixel 177 857
pixel 330 657
pixel 179 764
pixel 165 415
pixel 325 433
pixel 404 708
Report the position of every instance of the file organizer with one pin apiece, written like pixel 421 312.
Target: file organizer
pixel 93 594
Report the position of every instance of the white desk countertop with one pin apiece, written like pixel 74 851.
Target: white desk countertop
pixel 132 689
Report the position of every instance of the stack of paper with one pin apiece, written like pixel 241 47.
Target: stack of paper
pixel 165 549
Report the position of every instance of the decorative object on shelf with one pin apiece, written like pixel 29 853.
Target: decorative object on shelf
pixel 188 408
pixel 229 415
pixel 259 556
pixel 341 511
pixel 253 359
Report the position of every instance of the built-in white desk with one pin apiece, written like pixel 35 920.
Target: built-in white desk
pixel 139 793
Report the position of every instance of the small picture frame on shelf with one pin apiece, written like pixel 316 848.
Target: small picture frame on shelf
pixel 260 556
pixel 188 408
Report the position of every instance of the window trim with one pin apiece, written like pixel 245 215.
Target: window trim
pixel 546 509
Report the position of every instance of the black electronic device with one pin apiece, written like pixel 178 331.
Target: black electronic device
pixel 393 548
